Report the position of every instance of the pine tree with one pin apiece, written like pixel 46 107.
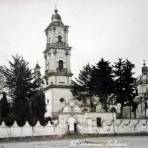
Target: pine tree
pixel 19 80
pixel 83 88
pixel 2 79
pixel 103 81
pixel 124 83
pixel 39 105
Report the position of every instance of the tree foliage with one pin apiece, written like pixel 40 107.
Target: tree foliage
pixel 23 89
pixel 83 87
pixel 104 80
pixel 124 82
pixel 38 105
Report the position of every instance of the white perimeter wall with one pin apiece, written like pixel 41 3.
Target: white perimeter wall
pixel 118 126
pixel 27 130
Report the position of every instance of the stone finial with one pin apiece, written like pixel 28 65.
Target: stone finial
pixel 144 63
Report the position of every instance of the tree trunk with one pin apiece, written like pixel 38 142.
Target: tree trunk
pixel 91 104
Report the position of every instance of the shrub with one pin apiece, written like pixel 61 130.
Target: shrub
pixel 21 122
pixel 32 121
pixel 43 122
pixel 9 120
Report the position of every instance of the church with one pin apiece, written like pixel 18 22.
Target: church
pixel 68 116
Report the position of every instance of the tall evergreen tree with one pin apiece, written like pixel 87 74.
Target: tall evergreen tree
pixel 103 81
pixel 39 105
pixel 19 80
pixel 83 87
pixel 124 82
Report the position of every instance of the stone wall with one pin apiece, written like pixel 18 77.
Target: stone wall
pixel 118 126
pixel 28 131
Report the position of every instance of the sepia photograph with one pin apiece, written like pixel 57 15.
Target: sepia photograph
pixel 73 73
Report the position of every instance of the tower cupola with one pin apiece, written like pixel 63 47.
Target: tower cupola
pixel 56 17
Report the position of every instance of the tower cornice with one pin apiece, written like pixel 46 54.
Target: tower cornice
pixel 54 24
pixel 50 46
pixel 69 74
pixel 57 86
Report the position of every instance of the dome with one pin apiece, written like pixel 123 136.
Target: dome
pixel 143 79
pixel 56 17
pixel 56 20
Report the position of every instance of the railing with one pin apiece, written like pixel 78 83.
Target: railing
pixel 57 44
pixel 64 70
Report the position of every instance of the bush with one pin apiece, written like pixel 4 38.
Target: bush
pixel 9 120
pixel 48 119
pixel 43 122
pixel 21 122
pixel 32 121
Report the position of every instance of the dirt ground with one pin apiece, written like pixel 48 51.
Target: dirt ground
pixel 97 142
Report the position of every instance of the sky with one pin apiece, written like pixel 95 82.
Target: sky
pixel 110 29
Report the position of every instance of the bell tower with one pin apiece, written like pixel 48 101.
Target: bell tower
pixel 57 65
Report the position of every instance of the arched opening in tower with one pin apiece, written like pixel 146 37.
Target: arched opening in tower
pixel 59 38
pixel 60 65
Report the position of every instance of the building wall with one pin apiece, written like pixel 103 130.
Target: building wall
pixel 54 95
pixel 116 127
pixel 59 80
pixel 52 36
pixel 53 56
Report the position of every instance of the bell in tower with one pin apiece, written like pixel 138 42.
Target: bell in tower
pixel 57 64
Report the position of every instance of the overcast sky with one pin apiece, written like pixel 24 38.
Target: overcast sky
pixel 98 28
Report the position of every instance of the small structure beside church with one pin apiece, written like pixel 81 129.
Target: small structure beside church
pixel 142 98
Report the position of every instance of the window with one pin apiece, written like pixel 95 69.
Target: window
pixel 62 100
pixel 47 101
pixel 59 38
pixel 60 65
pixel 99 122
pixel 146 105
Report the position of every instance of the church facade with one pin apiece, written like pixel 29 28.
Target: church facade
pixel 57 66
